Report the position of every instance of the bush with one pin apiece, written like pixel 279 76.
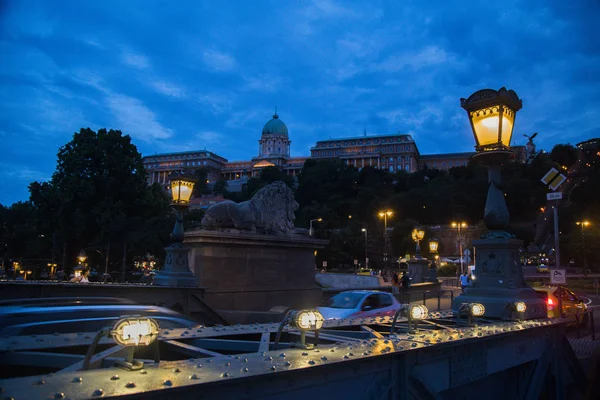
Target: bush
pixel 448 270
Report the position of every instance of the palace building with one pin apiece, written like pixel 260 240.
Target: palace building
pixel 397 152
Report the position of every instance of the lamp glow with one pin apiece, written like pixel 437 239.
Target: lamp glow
pixel 417 311
pixel 307 320
pixel 477 309
pixel 520 306
pixel 433 245
pixel 134 331
pixel 181 190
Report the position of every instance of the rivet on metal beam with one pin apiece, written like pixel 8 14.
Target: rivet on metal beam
pixel 282 355
pixel 311 362
pixel 130 385
pixel 59 395
pixel 272 368
pixel 77 379
pixel 245 369
pixel 193 377
pixel 167 383
pixel 176 370
pixel 224 375
pixel 304 353
pixel 287 363
pixel 323 358
pixel 40 382
pixel 143 372
pixel 228 364
pixel 98 392
pixel 114 377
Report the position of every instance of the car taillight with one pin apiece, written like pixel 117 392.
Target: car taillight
pixel 550 304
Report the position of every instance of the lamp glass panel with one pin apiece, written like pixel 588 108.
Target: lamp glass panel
pixel 486 123
pixel 477 309
pixel 420 234
pixel 433 246
pixel 508 120
pixel 181 191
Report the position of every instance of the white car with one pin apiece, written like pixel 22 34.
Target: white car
pixel 360 304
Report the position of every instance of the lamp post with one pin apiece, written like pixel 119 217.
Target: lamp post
pixel 176 271
pixel 417 235
pixel 310 230
pixel 583 224
pixel 366 244
pixel 500 278
pixel 459 225
pixel 385 214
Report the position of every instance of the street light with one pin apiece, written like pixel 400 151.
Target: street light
pixel 417 235
pixel 310 230
pixel 366 245
pixel 433 245
pixel 82 257
pixel 582 224
pixel 385 214
pixel 500 278
pixel 176 271
pixel 459 225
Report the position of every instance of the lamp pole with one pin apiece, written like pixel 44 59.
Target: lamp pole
pixel 458 225
pixel 366 249
pixel 582 224
pixel 310 230
pixel 385 214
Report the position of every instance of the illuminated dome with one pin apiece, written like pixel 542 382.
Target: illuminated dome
pixel 275 127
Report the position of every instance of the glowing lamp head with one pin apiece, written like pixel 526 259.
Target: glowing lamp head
pixel 492 116
pixel 520 306
pixel 307 320
pixel 182 187
pixel 418 234
pixel 416 311
pixel 135 331
pixel 82 256
pixel 477 309
pixel 433 245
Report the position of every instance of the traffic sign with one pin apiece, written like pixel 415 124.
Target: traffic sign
pixel 324 264
pixel 557 182
pixel 554 196
pixel 550 175
pixel 558 276
pixel 467 252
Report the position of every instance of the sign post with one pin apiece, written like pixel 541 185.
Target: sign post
pixel 558 276
pixel 553 179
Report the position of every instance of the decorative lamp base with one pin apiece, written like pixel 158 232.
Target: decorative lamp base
pixel 176 271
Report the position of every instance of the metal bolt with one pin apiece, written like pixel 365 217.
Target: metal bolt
pixel 209 360
pixel 59 395
pixel 287 363
pixel 168 383
pixel 245 369
pixel 77 379
pixel 98 392
pixel 224 375
pixel 227 364
pixel 304 353
pixel 130 385
pixel 176 370
pixel 114 377
pixel 194 377
pixel 332 350
pixel 41 382
pixel 282 355
pixel 345 357
pixel 269 359
pixel 311 362
pixel 143 372
pixel 245 360
pixel 272 368
pixel 199 366
pixel 323 358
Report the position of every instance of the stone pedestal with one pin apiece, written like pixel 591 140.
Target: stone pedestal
pixel 418 269
pixel 250 271
pixel 176 271
pixel 499 282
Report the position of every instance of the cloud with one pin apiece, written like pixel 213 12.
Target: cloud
pixel 425 57
pixel 22 172
pixel 135 60
pixel 218 61
pixel 135 119
pixel 263 83
pixel 168 89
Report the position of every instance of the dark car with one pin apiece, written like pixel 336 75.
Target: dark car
pixel 69 315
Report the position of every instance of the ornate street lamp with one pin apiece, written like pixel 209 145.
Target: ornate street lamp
pixel 433 245
pixel 385 214
pixel 500 277
pixel 82 257
pixel 310 229
pixel 417 235
pixel 176 271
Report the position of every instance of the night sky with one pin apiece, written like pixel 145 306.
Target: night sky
pixel 189 75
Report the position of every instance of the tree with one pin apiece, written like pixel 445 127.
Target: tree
pixel 564 154
pixel 220 187
pixel 98 193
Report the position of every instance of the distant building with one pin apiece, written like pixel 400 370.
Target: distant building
pixel 389 152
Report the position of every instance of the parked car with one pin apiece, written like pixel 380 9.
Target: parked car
pixel 542 268
pixel 69 315
pixel 571 303
pixel 360 304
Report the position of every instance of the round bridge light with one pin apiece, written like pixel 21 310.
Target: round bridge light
pixel 520 306
pixel 477 309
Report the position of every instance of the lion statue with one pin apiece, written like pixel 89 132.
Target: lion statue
pixel 270 210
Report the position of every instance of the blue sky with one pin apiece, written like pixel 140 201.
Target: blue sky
pixel 187 75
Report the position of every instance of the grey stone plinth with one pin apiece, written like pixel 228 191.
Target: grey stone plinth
pixel 418 269
pixel 499 282
pixel 176 271
pixel 250 271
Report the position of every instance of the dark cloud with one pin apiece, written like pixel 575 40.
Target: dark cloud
pixel 207 74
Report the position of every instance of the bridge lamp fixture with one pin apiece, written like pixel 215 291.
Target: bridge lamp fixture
pixel 182 187
pixel 309 320
pixel 519 306
pixel 82 257
pixel 471 310
pixel 412 312
pixel 433 245
pixel 134 332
